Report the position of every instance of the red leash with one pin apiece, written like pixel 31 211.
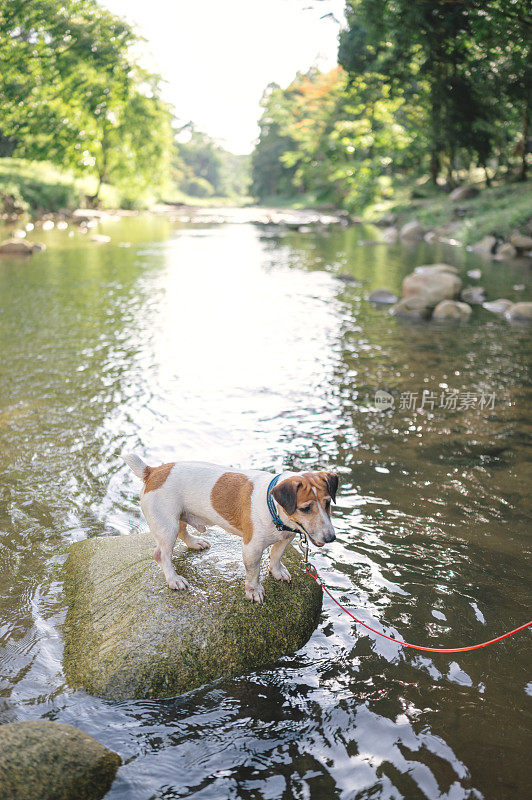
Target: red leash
pixel 313 574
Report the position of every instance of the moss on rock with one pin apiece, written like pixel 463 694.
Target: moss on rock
pixel 42 760
pixel 127 635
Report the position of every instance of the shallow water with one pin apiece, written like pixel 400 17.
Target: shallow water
pixel 238 344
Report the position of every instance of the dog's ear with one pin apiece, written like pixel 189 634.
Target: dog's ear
pixel 285 493
pixel 332 484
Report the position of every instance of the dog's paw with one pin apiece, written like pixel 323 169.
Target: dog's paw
pixel 178 582
pixel 281 573
pixel 255 593
pixel 198 543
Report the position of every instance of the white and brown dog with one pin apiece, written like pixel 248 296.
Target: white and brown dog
pixel 199 494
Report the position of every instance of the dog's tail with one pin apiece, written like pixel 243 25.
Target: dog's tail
pixel 136 464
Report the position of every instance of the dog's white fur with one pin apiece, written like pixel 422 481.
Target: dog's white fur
pixel 183 496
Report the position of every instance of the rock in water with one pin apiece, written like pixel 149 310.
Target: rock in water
pixel 499 306
pixel 412 231
pixel 415 307
pixel 127 635
pixel 451 309
pixel 435 286
pixel 486 246
pixel 42 760
pixel 475 295
pixel 383 297
pixel 429 269
pixel 19 247
pixel 519 312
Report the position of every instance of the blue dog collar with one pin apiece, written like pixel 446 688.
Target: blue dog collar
pixel 277 521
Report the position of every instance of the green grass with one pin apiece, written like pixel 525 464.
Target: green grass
pixel 177 196
pixel 40 187
pixel 497 210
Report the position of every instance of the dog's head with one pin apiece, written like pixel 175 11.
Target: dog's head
pixel 306 499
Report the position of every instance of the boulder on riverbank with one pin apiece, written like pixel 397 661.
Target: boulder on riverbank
pixel 127 635
pixel 42 760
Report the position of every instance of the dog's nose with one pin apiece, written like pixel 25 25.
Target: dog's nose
pixel 330 538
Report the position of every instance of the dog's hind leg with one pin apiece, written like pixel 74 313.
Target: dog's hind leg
pixel 193 542
pixel 165 529
pixel 252 554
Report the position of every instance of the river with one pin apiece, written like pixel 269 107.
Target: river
pixel 238 343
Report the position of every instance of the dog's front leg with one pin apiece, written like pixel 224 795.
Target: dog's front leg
pixel 277 569
pixel 252 554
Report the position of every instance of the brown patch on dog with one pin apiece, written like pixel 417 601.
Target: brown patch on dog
pixel 231 499
pixel 154 477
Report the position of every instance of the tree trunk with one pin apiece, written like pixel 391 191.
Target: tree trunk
pixel 524 157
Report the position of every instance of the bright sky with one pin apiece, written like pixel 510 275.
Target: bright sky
pixel 217 56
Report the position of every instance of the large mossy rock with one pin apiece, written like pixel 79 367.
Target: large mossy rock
pixel 42 760
pixel 127 635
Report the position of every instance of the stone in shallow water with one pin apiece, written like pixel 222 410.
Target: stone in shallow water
pixel 451 309
pixel 383 297
pixel 41 760
pixel 127 635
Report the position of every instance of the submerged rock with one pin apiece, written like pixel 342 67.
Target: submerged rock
pixel 42 760
pixel 127 635
pixel 452 309
pixel 383 297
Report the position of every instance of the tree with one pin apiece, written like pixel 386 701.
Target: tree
pixel 71 92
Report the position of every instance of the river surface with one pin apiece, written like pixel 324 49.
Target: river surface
pixel 239 344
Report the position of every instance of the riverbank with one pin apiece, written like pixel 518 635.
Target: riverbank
pixel 480 211
pixel 38 188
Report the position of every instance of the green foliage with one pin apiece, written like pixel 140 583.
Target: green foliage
pixel 202 168
pixel 29 186
pixel 497 211
pixel 425 86
pixel 72 93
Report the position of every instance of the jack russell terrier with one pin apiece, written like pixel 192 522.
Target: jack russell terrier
pixel 263 509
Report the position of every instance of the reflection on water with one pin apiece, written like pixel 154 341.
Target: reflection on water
pixel 240 345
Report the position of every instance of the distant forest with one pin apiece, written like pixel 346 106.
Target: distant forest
pixel 423 87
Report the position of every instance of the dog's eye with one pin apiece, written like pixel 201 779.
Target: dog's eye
pixel 327 505
pixel 305 509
